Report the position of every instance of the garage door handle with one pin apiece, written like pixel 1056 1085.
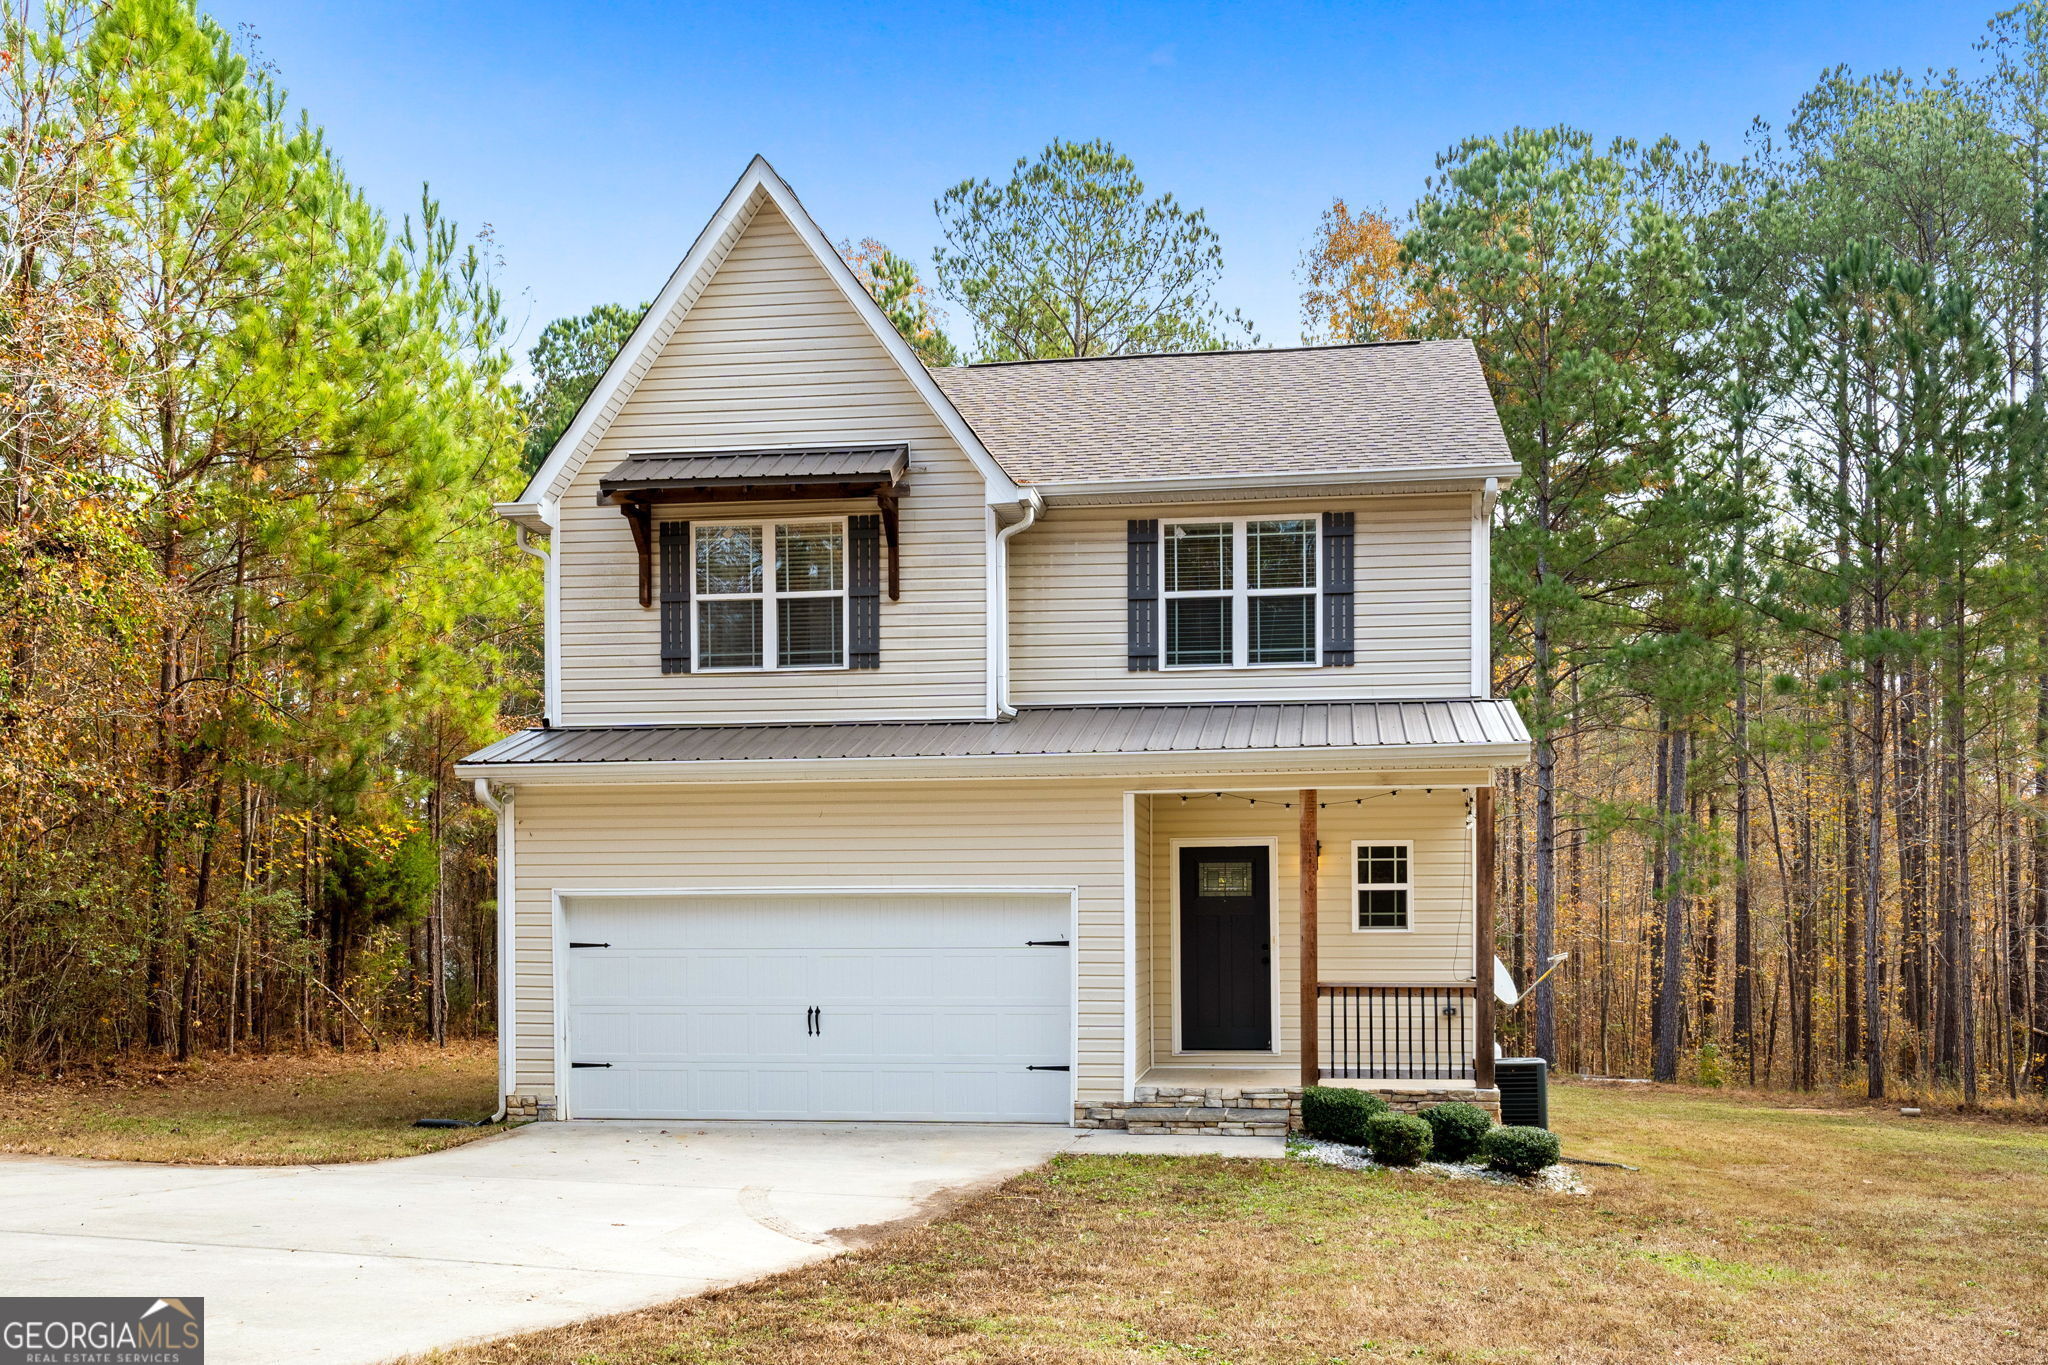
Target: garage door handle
pixel 813 1021
pixel 1048 1068
pixel 590 945
pixel 1047 943
pixel 575 1065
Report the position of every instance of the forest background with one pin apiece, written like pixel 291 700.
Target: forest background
pixel 1772 590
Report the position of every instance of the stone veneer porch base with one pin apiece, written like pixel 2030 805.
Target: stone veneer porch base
pixel 1226 1110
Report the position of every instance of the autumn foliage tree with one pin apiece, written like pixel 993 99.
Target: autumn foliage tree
pixel 1356 285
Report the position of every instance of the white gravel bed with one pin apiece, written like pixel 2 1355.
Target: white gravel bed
pixel 1558 1179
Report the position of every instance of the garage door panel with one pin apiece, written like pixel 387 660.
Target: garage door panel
pixel 663 1035
pixel 605 1033
pixel 928 1007
pixel 601 977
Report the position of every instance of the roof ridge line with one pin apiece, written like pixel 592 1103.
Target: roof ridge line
pixel 1187 355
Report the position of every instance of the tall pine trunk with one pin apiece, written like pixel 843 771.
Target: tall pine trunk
pixel 1671 986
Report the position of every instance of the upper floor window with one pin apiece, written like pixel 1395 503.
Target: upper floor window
pixel 771 595
pixel 1240 593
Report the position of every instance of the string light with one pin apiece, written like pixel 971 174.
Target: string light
pixel 1186 797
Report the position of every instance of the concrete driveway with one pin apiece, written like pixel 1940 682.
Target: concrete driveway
pixel 346 1265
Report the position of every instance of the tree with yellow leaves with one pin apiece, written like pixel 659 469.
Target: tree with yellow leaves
pixel 1356 285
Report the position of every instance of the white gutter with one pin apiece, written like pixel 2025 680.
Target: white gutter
pixel 506 909
pixel 550 622
pixel 999 629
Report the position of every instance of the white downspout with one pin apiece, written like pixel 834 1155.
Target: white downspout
pixel 506 910
pixel 1001 633
pixel 550 658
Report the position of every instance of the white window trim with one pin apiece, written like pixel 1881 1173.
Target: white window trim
pixel 768 597
pixel 1240 593
pixel 1408 846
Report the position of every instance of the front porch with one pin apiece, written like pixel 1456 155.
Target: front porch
pixel 1364 910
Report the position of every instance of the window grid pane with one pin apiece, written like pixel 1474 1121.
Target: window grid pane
pixel 1281 554
pixel 1382 865
pixel 1382 909
pixel 1198 557
pixel 809 556
pixel 1198 630
pixel 1282 630
pixel 729 633
pixel 728 559
pixel 810 632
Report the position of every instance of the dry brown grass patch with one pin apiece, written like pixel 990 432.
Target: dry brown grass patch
pixel 1751 1233
pixel 264 1110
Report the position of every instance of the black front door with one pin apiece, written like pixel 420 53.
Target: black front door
pixel 1226 950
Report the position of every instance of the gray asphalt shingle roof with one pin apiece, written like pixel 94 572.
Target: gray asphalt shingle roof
pixel 1334 409
pixel 1037 732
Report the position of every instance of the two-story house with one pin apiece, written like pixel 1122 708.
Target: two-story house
pixel 1016 742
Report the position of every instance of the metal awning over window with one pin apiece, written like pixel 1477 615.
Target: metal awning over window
pixel 702 476
pixel 642 480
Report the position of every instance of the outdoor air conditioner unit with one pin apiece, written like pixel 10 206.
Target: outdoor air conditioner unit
pixel 1524 1090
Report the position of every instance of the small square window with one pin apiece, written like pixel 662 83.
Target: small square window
pixel 1382 885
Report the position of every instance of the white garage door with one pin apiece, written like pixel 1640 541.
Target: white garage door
pixel 822 1006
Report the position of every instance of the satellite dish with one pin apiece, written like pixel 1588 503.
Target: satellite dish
pixel 1504 988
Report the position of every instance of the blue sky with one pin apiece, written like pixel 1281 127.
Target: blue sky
pixel 596 139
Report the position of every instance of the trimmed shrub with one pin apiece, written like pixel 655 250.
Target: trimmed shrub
pixel 1518 1151
pixel 1331 1114
pixel 1397 1139
pixel 1455 1129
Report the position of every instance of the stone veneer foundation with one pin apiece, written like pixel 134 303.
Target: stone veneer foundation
pixel 1249 1111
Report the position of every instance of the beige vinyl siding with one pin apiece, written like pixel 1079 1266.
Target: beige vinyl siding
pixel 558 486
pixel 1412 610
pixel 1039 834
pixel 771 355
pixel 1438 948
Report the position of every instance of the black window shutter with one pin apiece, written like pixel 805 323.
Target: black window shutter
pixel 864 592
pixel 1142 593
pixel 675 597
pixel 1338 536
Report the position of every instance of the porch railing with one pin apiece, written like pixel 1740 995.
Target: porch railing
pixel 1397 1032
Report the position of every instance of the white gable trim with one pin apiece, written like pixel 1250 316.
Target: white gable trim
pixel 757 184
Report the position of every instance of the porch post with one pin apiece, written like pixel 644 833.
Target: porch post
pixel 1482 937
pixel 1310 851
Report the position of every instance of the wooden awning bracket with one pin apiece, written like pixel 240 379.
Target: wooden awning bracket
pixel 640 517
pixel 886 499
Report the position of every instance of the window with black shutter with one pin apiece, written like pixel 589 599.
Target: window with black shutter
pixel 1142 596
pixel 864 592
pixel 675 597
pixel 1339 532
pixel 1239 592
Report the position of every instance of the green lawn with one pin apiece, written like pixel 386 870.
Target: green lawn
pixel 1752 1232
pixel 258 1111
